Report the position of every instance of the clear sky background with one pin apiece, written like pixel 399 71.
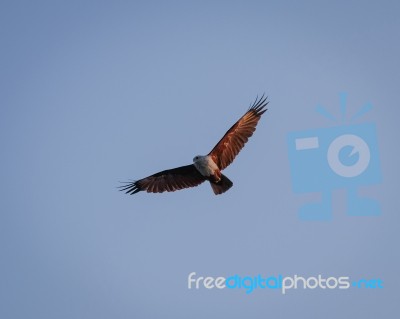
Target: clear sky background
pixel 97 92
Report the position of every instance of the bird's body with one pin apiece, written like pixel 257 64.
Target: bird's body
pixel 211 172
pixel 205 167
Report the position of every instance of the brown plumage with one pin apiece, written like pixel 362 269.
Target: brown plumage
pixel 233 141
pixel 169 180
pixel 205 167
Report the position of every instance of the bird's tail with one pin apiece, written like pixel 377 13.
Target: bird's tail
pixel 222 185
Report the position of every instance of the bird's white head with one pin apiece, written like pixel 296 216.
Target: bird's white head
pixel 197 158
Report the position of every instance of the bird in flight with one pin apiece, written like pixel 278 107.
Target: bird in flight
pixel 207 167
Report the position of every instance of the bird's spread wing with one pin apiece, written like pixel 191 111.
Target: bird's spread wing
pixel 169 180
pixel 233 141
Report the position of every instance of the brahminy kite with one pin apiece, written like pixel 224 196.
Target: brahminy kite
pixel 208 167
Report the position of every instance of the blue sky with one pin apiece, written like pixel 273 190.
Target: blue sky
pixel 94 93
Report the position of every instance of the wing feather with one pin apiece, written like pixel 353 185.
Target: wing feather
pixel 169 180
pixel 237 136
